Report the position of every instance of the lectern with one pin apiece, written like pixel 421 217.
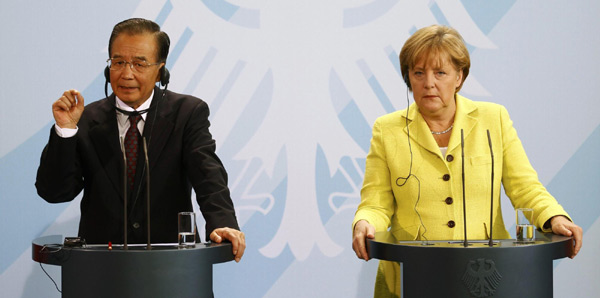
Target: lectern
pixel 448 269
pixel 163 271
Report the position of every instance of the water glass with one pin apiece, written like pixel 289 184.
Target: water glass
pixel 186 222
pixel 525 227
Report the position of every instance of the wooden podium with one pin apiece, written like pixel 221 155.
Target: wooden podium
pixel 448 269
pixel 163 271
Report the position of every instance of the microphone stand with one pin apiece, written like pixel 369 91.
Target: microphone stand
pixel 491 243
pixel 124 195
pixel 148 246
pixel 462 153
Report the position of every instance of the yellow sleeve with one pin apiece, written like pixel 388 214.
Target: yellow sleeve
pixel 377 200
pixel 520 180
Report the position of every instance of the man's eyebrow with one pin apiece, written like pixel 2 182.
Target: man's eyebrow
pixel 143 58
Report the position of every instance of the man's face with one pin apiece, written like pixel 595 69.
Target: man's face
pixel 132 86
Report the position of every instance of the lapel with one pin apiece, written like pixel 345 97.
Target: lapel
pixel 420 133
pixel 157 128
pixel 462 120
pixel 159 125
pixel 104 134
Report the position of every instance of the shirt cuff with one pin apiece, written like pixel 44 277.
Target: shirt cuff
pixel 65 132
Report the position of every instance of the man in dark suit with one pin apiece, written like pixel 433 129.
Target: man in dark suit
pixel 85 151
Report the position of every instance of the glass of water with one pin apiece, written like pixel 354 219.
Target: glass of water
pixel 186 222
pixel 525 227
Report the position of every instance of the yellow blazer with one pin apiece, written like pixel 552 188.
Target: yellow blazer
pixel 434 189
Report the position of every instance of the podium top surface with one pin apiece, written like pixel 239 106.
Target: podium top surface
pixel 386 247
pixel 50 250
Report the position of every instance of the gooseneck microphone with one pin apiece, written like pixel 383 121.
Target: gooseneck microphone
pixel 164 81
pixel 125 185
pixel 491 243
pixel 462 153
pixel 148 246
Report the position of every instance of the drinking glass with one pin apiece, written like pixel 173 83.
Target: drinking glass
pixel 186 222
pixel 525 227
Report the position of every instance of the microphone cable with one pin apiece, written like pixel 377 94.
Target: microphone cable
pixel 401 181
pixel 55 249
pixel 50 277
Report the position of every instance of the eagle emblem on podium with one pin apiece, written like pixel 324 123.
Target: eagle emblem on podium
pixel 482 277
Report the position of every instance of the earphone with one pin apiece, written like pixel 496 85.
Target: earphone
pixel 401 181
pixel 164 75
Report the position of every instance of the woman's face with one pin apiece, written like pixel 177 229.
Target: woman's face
pixel 434 82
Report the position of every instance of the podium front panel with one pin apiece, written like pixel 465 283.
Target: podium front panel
pixel 448 269
pixel 163 271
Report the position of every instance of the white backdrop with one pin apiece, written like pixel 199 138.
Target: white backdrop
pixel 294 87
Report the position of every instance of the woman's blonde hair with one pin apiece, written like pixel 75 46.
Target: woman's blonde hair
pixel 432 41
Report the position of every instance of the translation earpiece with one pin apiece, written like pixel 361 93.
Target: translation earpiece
pixel 164 76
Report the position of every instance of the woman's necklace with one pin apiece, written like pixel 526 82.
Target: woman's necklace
pixel 443 131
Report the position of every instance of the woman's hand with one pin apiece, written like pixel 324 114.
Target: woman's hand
pixel 362 230
pixel 563 226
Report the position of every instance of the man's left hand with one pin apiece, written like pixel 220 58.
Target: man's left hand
pixel 237 239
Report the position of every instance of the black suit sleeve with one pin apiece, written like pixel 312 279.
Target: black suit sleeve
pixel 206 171
pixel 59 178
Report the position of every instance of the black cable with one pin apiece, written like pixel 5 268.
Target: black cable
pixel 42 250
pixel 50 277
pixel 410 174
pixel 409 145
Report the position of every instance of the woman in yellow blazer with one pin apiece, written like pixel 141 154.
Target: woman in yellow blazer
pixel 414 188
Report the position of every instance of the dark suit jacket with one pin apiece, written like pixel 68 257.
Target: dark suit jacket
pixel 182 155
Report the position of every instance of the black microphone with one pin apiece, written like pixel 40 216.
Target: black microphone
pixel 147 164
pixel 462 153
pixel 125 186
pixel 491 243
pixel 128 113
pixel 146 168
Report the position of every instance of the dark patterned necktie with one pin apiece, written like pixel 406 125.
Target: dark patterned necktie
pixel 131 147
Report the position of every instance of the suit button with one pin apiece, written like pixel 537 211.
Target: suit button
pixel 451 224
pixel 136 225
pixel 449 158
pixel 446 177
pixel 449 200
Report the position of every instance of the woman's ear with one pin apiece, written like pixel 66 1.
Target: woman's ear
pixel 459 77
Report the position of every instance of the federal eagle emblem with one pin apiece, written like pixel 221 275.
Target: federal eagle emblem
pixel 481 277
